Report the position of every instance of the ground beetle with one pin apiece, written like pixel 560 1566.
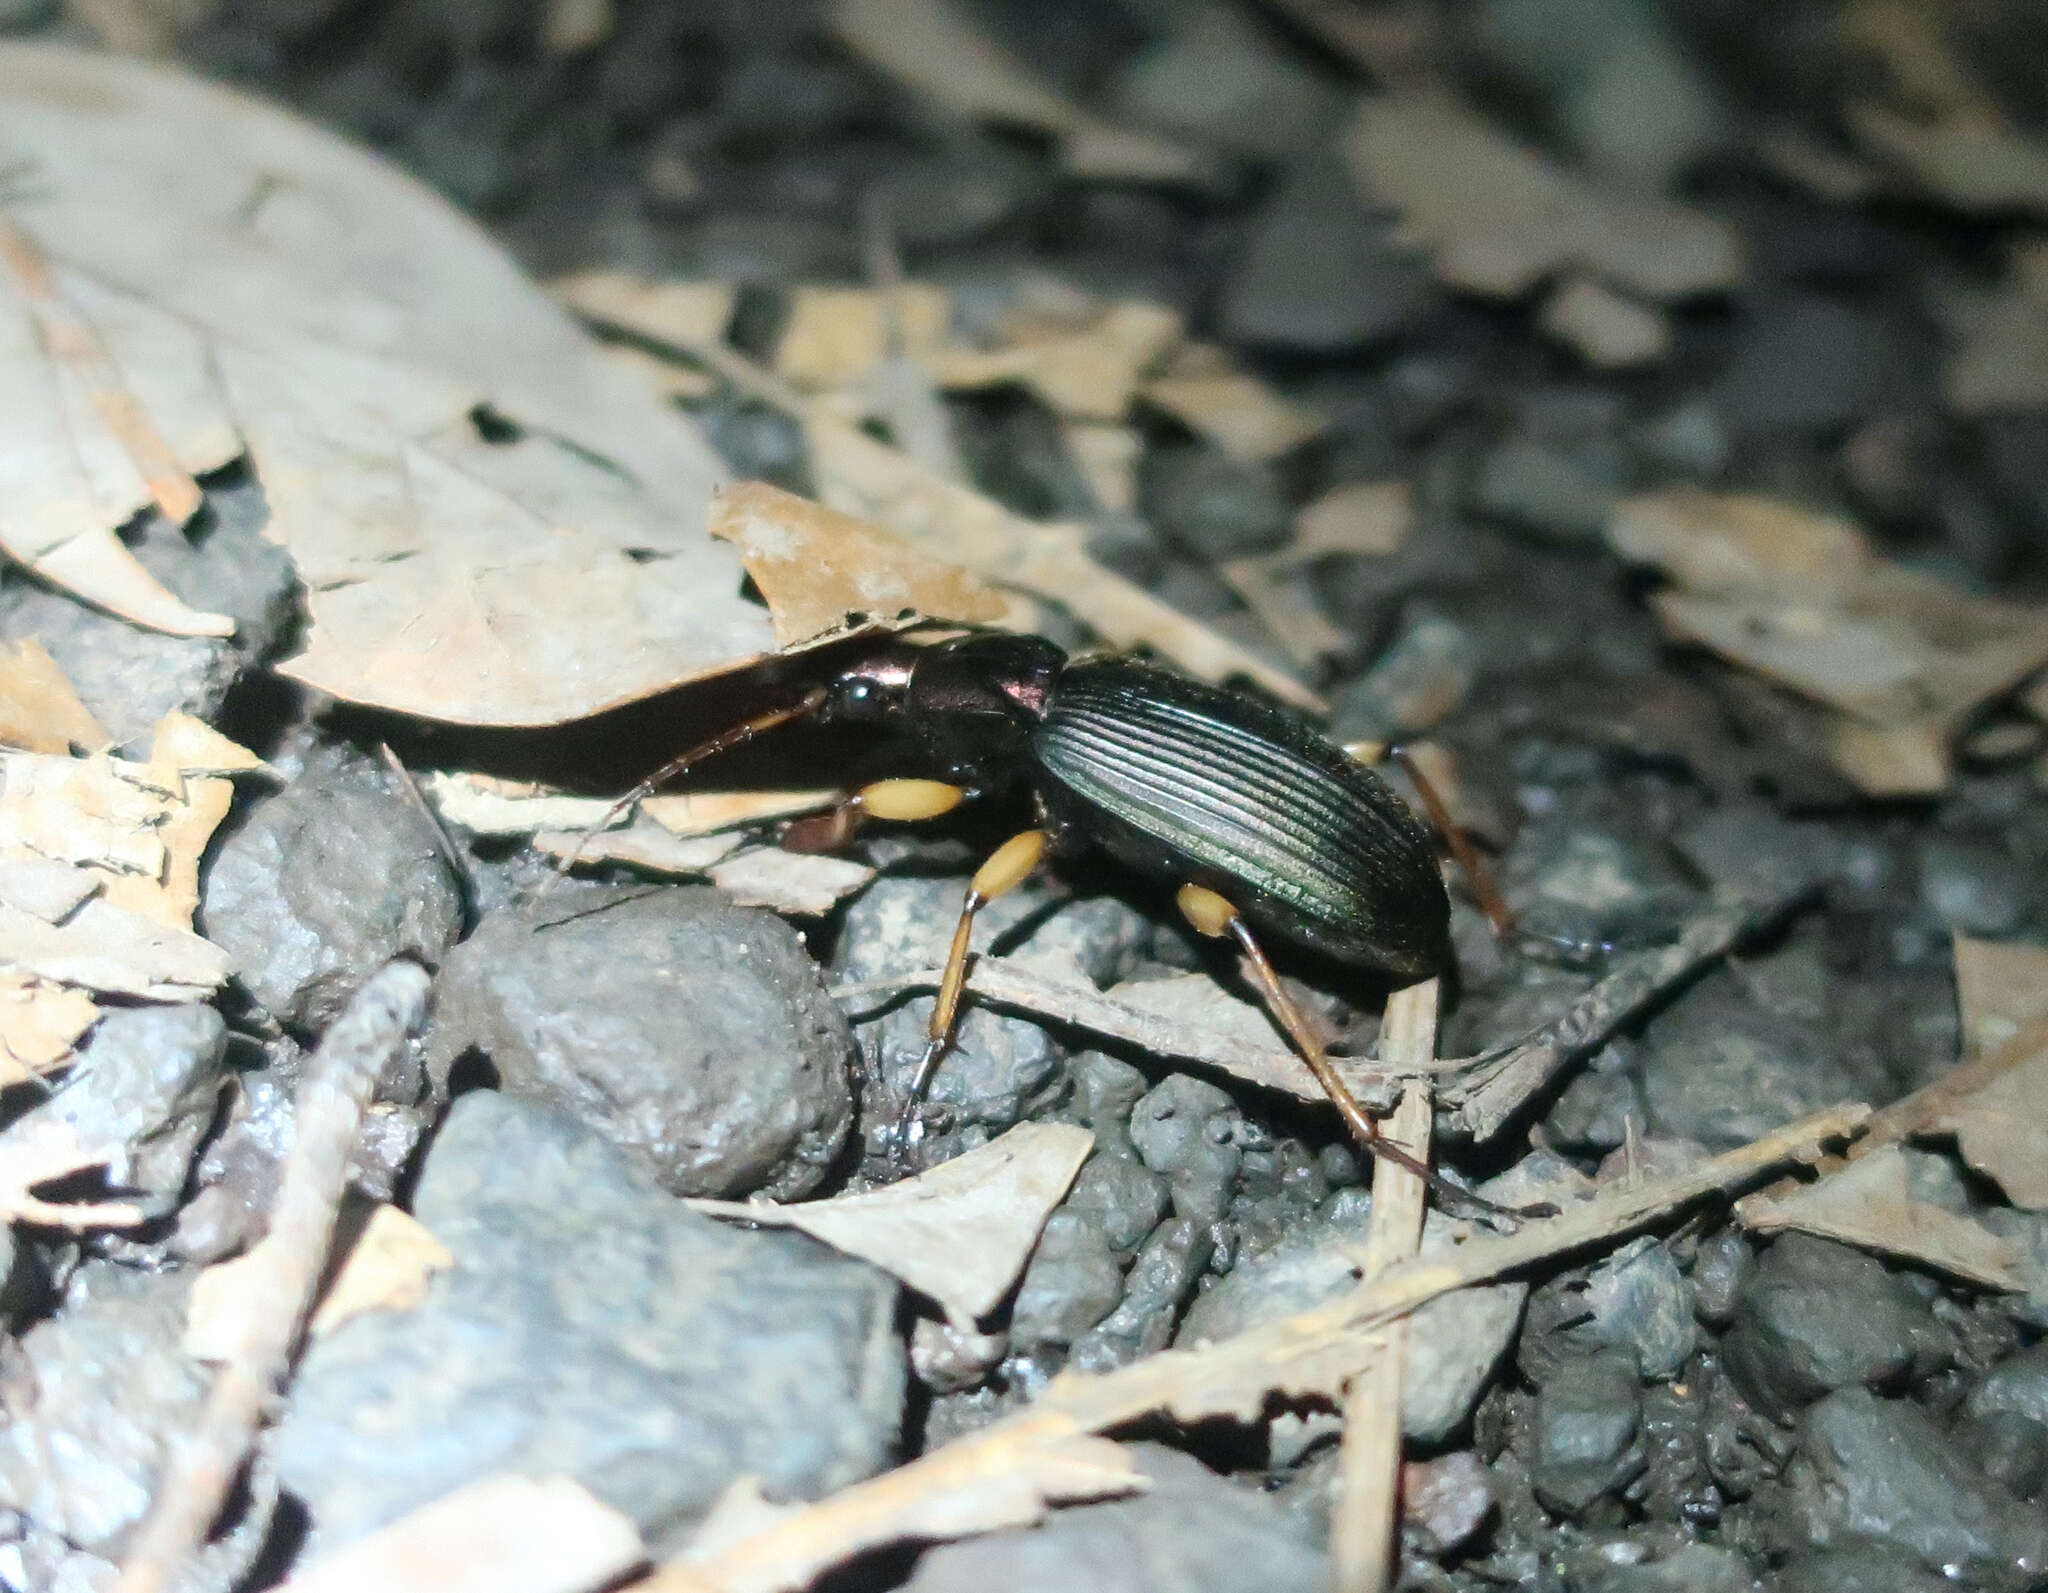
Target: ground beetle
pixel 1257 820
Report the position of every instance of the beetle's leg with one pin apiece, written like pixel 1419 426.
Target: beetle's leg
pixel 725 741
pixel 905 800
pixel 1007 868
pixel 1474 867
pixel 1214 916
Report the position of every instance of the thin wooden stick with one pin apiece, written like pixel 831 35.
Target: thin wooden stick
pixel 995 1477
pixel 1369 1461
pixel 333 1095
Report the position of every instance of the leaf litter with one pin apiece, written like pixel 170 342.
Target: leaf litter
pixel 1900 658
pixel 958 1234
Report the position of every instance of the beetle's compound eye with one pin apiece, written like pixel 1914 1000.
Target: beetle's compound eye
pixel 870 690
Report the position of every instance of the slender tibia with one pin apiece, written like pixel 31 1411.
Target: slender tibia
pixel 1007 868
pixel 1214 916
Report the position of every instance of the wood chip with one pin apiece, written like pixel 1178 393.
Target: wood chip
pixel 39 711
pixel 1869 1204
pixel 1498 218
pixel 959 1234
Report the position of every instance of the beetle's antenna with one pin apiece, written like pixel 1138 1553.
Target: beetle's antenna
pixel 726 741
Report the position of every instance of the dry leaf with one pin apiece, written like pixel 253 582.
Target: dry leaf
pixel 1868 1204
pixel 1088 373
pixel 1799 598
pixel 1236 411
pixel 1286 608
pixel 960 1233
pixel 674 310
pixel 255 282
pixel 804 885
pixel 1972 165
pixel 1610 331
pixel 862 476
pixel 502 1534
pixel 963 1486
pixel 386 1268
pixel 1498 218
pixel 2002 1131
pixel 99 864
pixel 951 522
pixel 1367 519
pixel 40 1025
pixel 1721 544
pixel 642 843
pixel 2000 987
pixel 85 453
pixel 39 712
pixel 1006 1484
pixel 840 337
pixel 1106 453
pixel 929 46
pixel 824 572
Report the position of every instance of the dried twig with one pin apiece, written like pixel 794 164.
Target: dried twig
pixel 1483 1092
pixel 1494 1087
pixel 997 1477
pixel 1369 1461
pixel 332 1097
pixel 1927 1106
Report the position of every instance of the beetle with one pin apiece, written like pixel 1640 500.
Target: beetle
pixel 1257 821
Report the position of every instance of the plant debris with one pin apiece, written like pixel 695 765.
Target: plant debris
pixel 1902 658
pixel 958 1234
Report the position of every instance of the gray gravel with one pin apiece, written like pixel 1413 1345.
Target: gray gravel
pixel 694 1034
pixel 325 882
pixel 143 1092
pixel 1874 1468
pixel 1189 1532
pixel 1817 1316
pixel 591 1326
pixel 93 1399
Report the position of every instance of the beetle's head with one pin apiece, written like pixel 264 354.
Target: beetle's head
pixel 871 689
